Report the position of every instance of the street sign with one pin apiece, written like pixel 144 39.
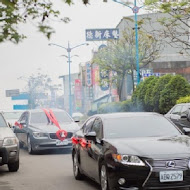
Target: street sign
pixel 14 92
pixel 102 34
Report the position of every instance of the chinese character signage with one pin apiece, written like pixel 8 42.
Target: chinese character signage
pixel 78 94
pixel 102 34
pixel 104 78
pixel 88 74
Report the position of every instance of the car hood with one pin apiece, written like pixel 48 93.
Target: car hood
pixel 153 147
pixel 51 128
pixel 6 132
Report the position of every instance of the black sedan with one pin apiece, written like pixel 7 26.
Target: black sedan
pixel 132 151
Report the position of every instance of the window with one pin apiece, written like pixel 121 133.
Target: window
pixel 97 127
pixel 2 122
pixel 184 110
pixel 139 126
pixel 88 125
pixel 24 118
pixel 176 110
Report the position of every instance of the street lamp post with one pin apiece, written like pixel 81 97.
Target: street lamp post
pixel 68 49
pixel 135 10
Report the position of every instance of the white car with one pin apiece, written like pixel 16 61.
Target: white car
pixel 12 116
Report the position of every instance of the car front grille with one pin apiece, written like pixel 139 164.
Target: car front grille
pixel 54 136
pixel 158 165
pixel 153 181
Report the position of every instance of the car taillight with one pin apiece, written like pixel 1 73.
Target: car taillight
pixel 75 140
pixel 83 143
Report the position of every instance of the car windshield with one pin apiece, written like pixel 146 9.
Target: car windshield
pixel 40 117
pixel 139 126
pixel 12 115
pixel 2 122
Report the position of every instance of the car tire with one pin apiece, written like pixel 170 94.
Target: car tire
pixel 21 145
pixel 103 177
pixel 76 171
pixel 29 146
pixel 13 167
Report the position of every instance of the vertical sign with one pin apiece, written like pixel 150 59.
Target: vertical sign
pixel 78 94
pixel 88 74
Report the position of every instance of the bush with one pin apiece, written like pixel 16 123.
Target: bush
pixel 159 86
pixel 176 88
pixel 110 107
pixel 138 97
pixel 183 100
pixel 128 106
pixel 148 99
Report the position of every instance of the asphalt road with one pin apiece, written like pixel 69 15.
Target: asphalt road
pixel 44 171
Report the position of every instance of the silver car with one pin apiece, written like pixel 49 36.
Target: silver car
pixel 9 146
pixel 38 131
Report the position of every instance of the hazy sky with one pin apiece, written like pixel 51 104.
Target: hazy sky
pixel 34 52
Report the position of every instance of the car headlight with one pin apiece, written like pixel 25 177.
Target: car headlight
pixel 128 160
pixel 10 141
pixel 40 135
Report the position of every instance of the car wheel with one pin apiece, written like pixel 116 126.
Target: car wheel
pixel 103 178
pixel 76 170
pixel 13 167
pixel 29 146
pixel 21 145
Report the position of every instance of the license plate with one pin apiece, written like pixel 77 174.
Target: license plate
pixel 170 176
pixel 61 143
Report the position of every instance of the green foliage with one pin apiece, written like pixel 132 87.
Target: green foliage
pixel 39 12
pixel 110 107
pixel 157 89
pixel 148 100
pixel 140 101
pixel 177 15
pixel 125 106
pixel 119 56
pixel 176 88
pixel 185 99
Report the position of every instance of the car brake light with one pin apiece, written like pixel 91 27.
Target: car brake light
pixel 75 140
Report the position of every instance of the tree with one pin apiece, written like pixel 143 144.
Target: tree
pixel 40 87
pixel 39 12
pixel 176 26
pixel 119 56
pixel 176 88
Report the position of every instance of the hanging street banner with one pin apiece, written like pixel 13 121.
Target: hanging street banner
pixel 102 34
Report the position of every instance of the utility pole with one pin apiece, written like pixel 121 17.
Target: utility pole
pixel 69 49
pixel 135 10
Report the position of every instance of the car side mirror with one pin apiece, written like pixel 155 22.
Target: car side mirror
pixel 186 131
pixel 183 116
pixel 76 119
pixel 91 136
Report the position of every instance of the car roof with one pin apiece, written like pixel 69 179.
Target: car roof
pixel 126 114
pixel 41 110
pixel 183 104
